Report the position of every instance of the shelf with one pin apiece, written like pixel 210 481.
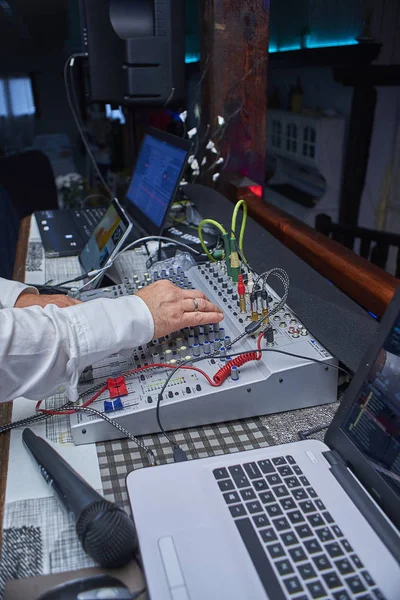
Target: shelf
pixel 331 56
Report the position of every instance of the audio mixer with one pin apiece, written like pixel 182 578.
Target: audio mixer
pixel 275 383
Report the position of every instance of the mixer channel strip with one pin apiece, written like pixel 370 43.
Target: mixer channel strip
pixel 275 383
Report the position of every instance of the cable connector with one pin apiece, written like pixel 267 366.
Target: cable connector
pixel 178 454
pixel 253 327
pixel 250 283
pixel 241 293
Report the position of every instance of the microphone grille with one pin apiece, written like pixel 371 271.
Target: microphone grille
pixel 107 534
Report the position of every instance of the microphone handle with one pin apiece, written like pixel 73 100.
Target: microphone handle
pixel 71 489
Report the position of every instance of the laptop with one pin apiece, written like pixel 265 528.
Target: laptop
pixel 297 521
pixel 155 179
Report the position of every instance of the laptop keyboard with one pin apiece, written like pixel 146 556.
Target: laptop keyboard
pixel 298 550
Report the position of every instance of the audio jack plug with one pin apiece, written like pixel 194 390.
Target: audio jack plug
pixel 241 293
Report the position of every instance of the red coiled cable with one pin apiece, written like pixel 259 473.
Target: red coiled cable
pixel 238 361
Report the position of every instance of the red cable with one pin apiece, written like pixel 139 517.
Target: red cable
pixel 71 411
pixel 217 380
pixel 238 361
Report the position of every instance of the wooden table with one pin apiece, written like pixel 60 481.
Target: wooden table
pixel 6 408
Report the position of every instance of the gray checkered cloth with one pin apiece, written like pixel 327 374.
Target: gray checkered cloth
pixel 118 458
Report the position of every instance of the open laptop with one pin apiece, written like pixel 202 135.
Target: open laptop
pixel 298 521
pixel 155 179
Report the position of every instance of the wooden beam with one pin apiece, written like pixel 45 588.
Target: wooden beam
pixel 366 284
pixel 6 407
pixel 234 55
pixel 357 153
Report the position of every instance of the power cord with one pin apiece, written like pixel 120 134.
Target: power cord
pixel 72 102
pixel 303 435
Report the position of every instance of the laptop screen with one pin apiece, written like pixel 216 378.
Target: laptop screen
pixel 157 174
pixel 373 422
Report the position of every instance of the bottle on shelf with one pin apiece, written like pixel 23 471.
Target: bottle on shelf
pixel 297 97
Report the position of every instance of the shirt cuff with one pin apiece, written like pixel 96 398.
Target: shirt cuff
pixel 14 292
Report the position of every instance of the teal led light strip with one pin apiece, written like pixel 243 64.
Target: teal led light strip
pixel 328 44
pixel 194 58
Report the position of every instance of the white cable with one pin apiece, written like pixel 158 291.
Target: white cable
pixel 96 274
pixel 69 63
pixel 150 238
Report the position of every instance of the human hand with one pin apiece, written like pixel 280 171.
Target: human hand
pixel 60 300
pixel 173 308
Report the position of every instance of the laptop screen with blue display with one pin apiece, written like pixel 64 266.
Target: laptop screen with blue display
pixel 157 174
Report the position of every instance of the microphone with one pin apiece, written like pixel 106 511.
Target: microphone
pixel 105 531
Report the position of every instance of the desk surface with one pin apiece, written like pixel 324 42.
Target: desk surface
pixel 327 312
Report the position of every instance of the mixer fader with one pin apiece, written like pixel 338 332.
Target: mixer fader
pixel 275 383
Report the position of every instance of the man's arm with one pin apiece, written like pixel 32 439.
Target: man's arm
pixel 19 295
pixel 43 348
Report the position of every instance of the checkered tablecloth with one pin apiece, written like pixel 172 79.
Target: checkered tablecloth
pixel 118 458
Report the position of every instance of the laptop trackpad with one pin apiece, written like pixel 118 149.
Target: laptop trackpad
pixel 208 562
pixel 172 567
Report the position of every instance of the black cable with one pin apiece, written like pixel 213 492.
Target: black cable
pixel 303 435
pixel 136 595
pixel 72 102
pixel 79 278
pixel 173 442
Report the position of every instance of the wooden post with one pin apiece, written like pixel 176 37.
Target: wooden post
pixel 234 56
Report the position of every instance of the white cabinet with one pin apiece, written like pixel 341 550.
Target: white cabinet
pixel 306 153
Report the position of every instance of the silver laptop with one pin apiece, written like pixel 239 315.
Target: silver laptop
pixel 297 521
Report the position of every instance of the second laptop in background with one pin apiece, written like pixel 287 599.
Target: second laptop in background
pixel 155 179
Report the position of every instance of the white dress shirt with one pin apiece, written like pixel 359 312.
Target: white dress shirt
pixel 44 348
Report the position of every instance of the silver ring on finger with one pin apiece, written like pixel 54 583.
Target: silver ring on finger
pixel 196 305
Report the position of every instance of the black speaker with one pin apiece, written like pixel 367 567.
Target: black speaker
pixel 136 50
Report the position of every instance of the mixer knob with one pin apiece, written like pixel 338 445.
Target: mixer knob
pixel 168 355
pixel 219 293
pixel 196 350
pixel 282 324
pixel 224 285
pixel 234 296
pixel 293 321
pixel 221 333
pixel 183 351
pixel 217 344
pixel 216 327
pixel 179 342
pixel 220 279
pixel 224 299
pixel 207 348
pixel 211 334
pixel 276 318
pixel 287 315
pixel 295 334
pixel 304 332
pixel 229 290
